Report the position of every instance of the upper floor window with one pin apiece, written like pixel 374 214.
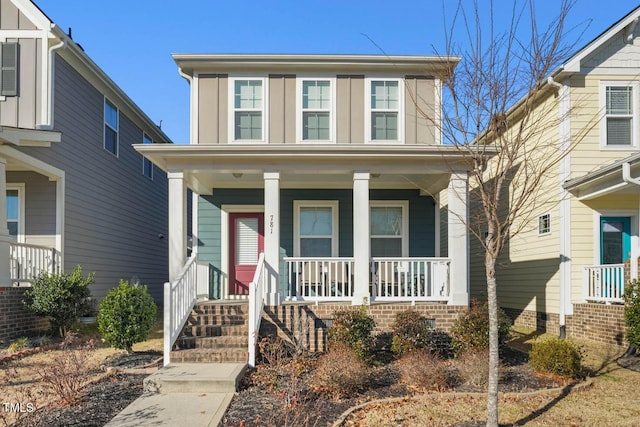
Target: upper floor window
pixel 620 119
pixel 316 109
pixel 385 113
pixel 147 166
pixel 110 127
pixel 248 109
pixel 9 69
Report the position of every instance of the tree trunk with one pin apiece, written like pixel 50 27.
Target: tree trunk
pixel 494 356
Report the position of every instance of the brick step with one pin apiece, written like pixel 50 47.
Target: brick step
pixel 233 342
pixel 215 331
pixel 221 309
pixel 214 319
pixel 202 355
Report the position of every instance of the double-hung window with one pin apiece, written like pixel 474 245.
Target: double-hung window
pixel 384 118
pixel 15 211
pixel 248 100
pixel 316 106
pixel 389 228
pixel 147 166
pixel 9 60
pixel 620 123
pixel 110 127
pixel 316 228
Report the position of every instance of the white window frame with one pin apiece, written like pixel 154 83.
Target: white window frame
pixel 232 109
pixel 368 110
pixel 146 139
pixel 20 238
pixel 300 110
pixel 548 231
pixel 604 84
pixel 404 233
pixel 116 130
pixel 334 205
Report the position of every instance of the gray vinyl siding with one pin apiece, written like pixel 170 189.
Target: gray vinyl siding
pixel 114 215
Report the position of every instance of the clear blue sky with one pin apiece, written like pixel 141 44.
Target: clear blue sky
pixel 132 41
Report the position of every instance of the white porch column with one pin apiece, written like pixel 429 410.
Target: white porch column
pixel 272 236
pixel 5 239
pixel 361 240
pixel 458 235
pixel 177 223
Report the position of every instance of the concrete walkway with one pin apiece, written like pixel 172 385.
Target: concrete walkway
pixel 190 394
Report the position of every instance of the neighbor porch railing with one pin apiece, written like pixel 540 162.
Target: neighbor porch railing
pixel 179 299
pixel 256 304
pixel 604 283
pixel 29 261
pixel 320 278
pixel 410 279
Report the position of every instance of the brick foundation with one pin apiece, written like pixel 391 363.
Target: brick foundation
pixel 598 322
pixel 15 320
pixel 541 322
pixel 307 323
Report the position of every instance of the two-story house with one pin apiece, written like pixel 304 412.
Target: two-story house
pixel 317 176
pixel 76 192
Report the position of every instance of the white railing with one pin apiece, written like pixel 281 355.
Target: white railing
pixel 29 261
pixel 256 304
pixel 320 278
pixel 410 279
pixel 179 299
pixel 604 283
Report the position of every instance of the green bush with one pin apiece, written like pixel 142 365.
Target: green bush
pixel 632 312
pixel 411 331
pixel 126 315
pixel 557 356
pixel 61 297
pixel 353 328
pixel 471 330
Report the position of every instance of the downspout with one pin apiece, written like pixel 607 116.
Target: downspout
pixel 49 101
pixel 626 177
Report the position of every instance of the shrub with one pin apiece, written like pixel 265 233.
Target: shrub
pixel 632 312
pixel 18 345
pixel 339 373
pixel 353 328
pixel 276 354
pixel 424 369
pixel 556 356
pixel 411 331
pixel 62 297
pixel 471 330
pixel 126 315
pixel 473 368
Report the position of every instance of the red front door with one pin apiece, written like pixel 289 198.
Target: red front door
pixel 246 241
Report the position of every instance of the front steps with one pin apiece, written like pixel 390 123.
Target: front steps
pixel 214 333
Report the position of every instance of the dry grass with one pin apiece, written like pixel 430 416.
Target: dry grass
pixel 611 400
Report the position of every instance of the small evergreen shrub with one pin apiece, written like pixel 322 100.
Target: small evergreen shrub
pixel 424 369
pixel 556 356
pixel 411 331
pixel 340 373
pixel 632 312
pixel 471 330
pixel 61 297
pixel 126 315
pixel 353 328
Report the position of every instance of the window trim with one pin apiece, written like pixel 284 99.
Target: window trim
pixel 635 97
pixel 15 68
pixel 368 110
pixel 404 234
pixel 116 130
pixel 232 110
pixel 334 205
pixel 20 187
pixel 300 111
pixel 146 161
pixel 549 228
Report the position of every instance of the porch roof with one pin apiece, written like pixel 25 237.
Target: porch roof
pixel 609 179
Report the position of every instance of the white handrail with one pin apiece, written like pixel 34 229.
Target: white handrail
pixel 256 304
pixel 604 283
pixel 179 299
pixel 27 261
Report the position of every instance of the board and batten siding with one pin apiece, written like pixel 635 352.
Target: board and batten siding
pixel 350 109
pixel 115 217
pixel 282 109
pixel 420 110
pixel 213 108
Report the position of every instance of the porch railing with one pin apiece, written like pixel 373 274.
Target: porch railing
pixel 179 299
pixel 29 261
pixel 413 279
pixel 320 278
pixel 604 283
pixel 256 304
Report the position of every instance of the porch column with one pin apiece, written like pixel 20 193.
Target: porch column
pixel 458 235
pixel 272 236
pixel 5 239
pixel 177 223
pixel 361 240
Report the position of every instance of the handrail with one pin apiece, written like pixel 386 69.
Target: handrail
pixel 413 278
pixel 604 283
pixel 256 304
pixel 28 261
pixel 179 299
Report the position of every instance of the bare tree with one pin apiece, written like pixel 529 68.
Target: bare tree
pixel 502 97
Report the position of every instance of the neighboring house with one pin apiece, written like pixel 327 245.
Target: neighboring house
pixel 566 273
pixel 76 190
pixel 327 165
